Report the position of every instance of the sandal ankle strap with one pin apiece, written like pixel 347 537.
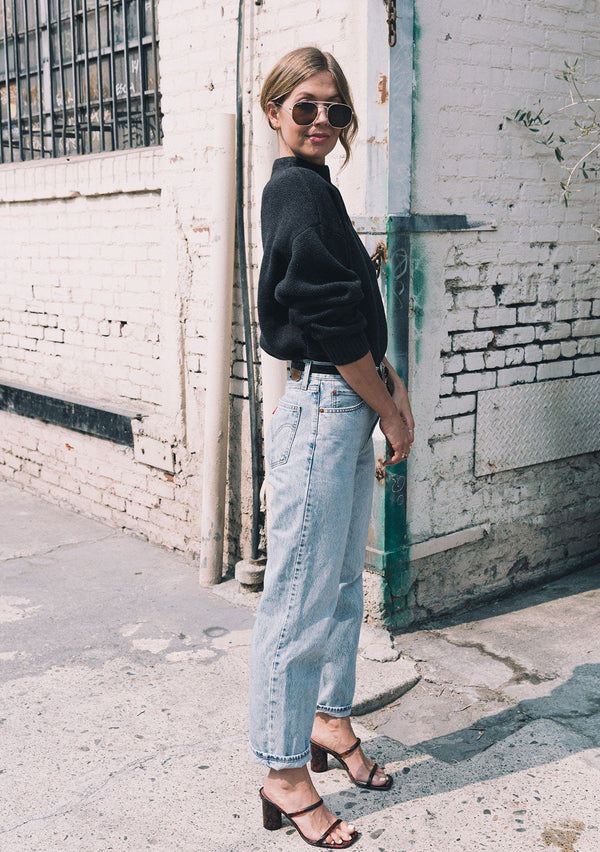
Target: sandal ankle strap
pixel 306 810
pixel 351 749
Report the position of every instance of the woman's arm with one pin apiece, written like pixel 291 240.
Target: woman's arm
pixel 400 397
pixel 394 412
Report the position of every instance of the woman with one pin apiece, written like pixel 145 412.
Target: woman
pixel 320 308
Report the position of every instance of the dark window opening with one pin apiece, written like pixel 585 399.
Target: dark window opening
pixel 77 77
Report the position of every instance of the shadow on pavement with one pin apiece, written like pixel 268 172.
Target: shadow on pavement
pixel 540 731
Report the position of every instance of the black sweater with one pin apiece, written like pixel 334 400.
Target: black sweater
pixel 317 295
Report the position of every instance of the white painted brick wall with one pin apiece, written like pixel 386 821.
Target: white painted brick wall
pixel 105 272
pixel 519 301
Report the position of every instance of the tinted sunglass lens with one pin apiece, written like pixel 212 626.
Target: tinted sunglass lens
pixel 304 113
pixel 339 115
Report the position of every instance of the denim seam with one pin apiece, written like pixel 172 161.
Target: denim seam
pixel 326 708
pixel 293 584
pixel 366 443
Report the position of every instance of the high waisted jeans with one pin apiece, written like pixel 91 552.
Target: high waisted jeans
pixel 305 639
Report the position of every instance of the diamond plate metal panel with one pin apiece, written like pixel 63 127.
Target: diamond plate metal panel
pixel 528 424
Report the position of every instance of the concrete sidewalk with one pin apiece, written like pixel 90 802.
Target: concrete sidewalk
pixel 123 710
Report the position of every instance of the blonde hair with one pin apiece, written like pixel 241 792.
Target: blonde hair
pixel 296 67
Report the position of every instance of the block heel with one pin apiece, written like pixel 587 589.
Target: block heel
pixel 318 762
pixel 271 815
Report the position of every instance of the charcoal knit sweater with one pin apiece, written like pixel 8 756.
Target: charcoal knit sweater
pixel 317 295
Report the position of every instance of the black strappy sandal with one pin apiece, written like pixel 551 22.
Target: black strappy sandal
pixel 319 764
pixel 272 821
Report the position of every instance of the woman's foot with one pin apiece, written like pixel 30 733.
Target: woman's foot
pixel 292 790
pixel 337 734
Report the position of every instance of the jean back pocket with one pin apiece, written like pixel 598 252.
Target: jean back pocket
pixel 283 427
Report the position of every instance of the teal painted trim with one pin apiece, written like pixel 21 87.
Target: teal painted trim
pixel 397 296
pixel 420 223
pixel 392 559
pixel 380 561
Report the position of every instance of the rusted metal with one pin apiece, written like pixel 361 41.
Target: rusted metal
pixel 391 22
pixel 379 256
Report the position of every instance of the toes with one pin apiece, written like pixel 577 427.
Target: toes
pixel 340 835
pixel 380 778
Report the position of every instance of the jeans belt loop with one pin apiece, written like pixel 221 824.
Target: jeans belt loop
pixel 306 374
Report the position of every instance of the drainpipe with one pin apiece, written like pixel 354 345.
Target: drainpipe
pixel 398 291
pixel 250 572
pixel 218 362
pixel 387 547
pixel 256 455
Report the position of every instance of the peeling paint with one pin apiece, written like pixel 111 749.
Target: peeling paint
pixel 383 93
pixel 418 296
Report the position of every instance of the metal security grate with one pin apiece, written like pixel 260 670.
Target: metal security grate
pixel 521 425
pixel 77 77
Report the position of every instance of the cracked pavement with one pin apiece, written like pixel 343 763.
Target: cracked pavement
pixel 123 695
pixel 509 697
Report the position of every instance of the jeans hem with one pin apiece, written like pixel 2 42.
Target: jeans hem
pixel 339 712
pixel 278 762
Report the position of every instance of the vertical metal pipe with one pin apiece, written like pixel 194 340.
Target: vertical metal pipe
pixel 218 361
pixel 398 292
pixel 401 113
pixel 250 346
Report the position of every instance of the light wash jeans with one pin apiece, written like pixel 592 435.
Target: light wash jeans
pixel 305 639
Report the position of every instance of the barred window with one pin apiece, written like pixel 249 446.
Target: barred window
pixel 77 77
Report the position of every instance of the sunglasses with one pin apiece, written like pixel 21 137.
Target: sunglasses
pixel 305 112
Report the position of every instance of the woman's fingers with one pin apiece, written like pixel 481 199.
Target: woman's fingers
pixel 398 438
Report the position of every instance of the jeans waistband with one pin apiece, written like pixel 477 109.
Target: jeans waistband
pixel 303 369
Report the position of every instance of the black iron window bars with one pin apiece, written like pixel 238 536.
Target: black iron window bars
pixel 77 77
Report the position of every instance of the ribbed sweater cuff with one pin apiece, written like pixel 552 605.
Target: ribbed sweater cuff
pixel 344 350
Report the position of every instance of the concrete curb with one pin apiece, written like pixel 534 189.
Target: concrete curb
pixel 379 684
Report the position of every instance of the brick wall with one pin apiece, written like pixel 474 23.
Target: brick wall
pixel 106 276
pixel 493 308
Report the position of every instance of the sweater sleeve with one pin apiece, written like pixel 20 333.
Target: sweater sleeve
pixel 322 295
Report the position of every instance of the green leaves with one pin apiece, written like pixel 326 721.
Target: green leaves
pixel 576 126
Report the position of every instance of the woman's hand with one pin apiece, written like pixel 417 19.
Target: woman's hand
pixel 399 395
pixel 392 405
pixel 397 436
